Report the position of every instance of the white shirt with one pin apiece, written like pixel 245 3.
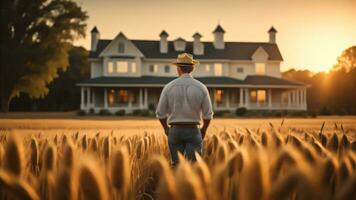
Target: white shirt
pixel 184 100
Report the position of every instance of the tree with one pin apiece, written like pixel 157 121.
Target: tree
pixel 36 37
pixel 332 91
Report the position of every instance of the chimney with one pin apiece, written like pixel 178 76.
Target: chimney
pixel 272 35
pixel 95 36
pixel 219 37
pixel 163 42
pixel 198 46
pixel 179 44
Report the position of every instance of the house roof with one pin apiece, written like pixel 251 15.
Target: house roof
pixel 94 30
pixel 232 50
pixel 163 33
pixel 255 80
pixel 272 29
pixel 219 29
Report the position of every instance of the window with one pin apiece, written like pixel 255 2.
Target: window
pixel 121 47
pixel 123 96
pixel 258 96
pixel 167 69
pixel 110 67
pixel 133 67
pixel 219 96
pixel 153 68
pixel 207 68
pixel 261 96
pixel 218 69
pixel 239 70
pixel 260 68
pixel 111 97
pixel 122 67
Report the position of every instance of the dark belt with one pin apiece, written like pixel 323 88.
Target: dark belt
pixel 184 125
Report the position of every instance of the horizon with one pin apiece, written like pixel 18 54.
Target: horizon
pixel 329 28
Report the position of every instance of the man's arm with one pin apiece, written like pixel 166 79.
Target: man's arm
pixel 207 113
pixel 162 109
pixel 164 125
pixel 205 127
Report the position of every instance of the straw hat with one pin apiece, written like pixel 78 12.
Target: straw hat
pixel 185 59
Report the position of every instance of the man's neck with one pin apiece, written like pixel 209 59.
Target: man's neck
pixel 185 74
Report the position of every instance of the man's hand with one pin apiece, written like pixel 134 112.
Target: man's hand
pixel 203 132
pixel 166 131
pixel 205 127
pixel 164 125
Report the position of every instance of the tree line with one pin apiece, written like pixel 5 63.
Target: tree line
pixel 331 92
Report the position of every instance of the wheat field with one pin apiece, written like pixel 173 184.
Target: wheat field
pixel 250 159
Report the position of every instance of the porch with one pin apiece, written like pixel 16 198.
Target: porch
pixel 222 98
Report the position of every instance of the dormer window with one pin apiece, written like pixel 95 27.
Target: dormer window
pixel 121 47
pixel 133 67
pixel 122 67
pixel 167 69
pixel 110 67
pixel 153 68
pixel 260 68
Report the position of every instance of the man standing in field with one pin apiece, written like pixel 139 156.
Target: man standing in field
pixel 183 103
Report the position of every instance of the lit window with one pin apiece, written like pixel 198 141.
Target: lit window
pixel 153 68
pixel 122 67
pixel 240 70
pixel 207 68
pixel 218 69
pixel 133 67
pixel 261 96
pixel 258 96
pixel 110 67
pixel 253 96
pixel 111 97
pixel 219 96
pixel 167 69
pixel 123 96
pixel 121 47
pixel 260 68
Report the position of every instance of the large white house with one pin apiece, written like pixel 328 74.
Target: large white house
pixel 128 74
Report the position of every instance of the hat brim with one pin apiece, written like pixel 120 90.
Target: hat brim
pixel 195 62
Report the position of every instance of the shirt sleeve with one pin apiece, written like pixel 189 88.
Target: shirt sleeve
pixel 162 107
pixel 207 110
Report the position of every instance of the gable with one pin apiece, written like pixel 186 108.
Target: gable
pixel 260 55
pixel 112 48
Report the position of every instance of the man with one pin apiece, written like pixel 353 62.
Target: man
pixel 183 103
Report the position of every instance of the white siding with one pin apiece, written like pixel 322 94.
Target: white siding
pixel 248 69
pixel 273 69
pixel 96 69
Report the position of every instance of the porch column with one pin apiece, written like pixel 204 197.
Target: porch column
pixel 270 98
pixel 289 98
pixel 227 98
pixel 88 98
pixel 241 97
pixel 305 96
pixel 130 100
pixel 82 98
pixel 146 99
pixel 105 98
pixel 93 98
pixel 247 98
pixel 140 98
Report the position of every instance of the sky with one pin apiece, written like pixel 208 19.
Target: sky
pixel 311 33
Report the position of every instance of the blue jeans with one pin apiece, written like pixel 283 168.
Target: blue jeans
pixel 187 141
